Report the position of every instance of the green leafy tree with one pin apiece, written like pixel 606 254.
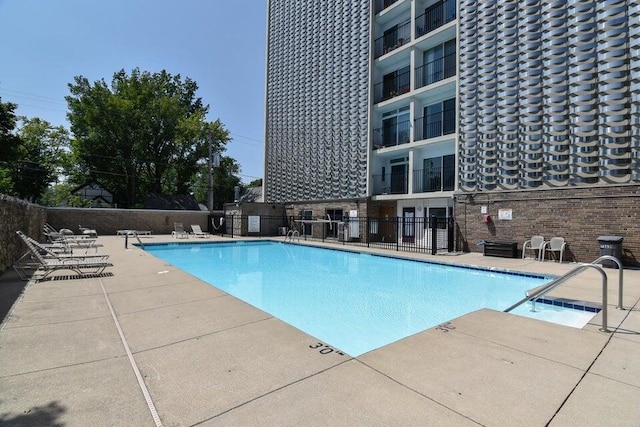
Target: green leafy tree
pixel 255 183
pixel 60 195
pixel 9 145
pixel 142 133
pixel 225 178
pixel 42 150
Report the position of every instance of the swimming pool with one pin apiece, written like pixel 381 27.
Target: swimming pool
pixel 353 302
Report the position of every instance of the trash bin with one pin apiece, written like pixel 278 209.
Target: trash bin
pixel 610 245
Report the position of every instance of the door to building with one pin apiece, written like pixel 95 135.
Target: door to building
pixel 408 225
pixel 331 229
pixel 307 228
pixel 399 179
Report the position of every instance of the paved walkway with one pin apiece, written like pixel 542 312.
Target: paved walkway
pixel 153 345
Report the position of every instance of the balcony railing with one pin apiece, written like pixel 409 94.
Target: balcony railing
pixel 391 135
pixel 435 16
pixel 392 40
pixel 391 88
pixel 391 183
pixel 435 125
pixel 434 71
pixel 383 4
pixel 434 179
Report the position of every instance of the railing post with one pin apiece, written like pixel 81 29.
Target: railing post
pixel 434 236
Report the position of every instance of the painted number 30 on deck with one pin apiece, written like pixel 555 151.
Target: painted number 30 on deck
pixel 325 349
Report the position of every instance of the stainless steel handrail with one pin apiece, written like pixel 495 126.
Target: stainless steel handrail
pixel 559 281
pixel 126 239
pixel 617 261
pixel 291 234
pixel 138 239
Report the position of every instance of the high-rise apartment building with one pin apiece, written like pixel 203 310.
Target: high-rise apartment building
pixel 527 111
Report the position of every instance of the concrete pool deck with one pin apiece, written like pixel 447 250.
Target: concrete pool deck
pixel 205 358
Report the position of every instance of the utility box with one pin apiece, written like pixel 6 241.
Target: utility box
pixel 610 245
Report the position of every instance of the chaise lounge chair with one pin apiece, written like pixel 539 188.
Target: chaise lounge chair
pixel 197 231
pixel 179 231
pixel 47 266
pixel 51 251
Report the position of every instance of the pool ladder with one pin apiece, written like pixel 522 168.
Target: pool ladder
pixel 292 234
pixel 574 272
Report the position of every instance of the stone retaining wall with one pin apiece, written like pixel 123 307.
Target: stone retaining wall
pixel 16 214
pixel 109 221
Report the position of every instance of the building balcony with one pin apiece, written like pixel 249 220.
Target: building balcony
pixel 393 38
pixel 381 5
pixel 435 16
pixel 394 84
pixel 391 183
pixel 435 71
pixel 392 135
pixel 435 125
pixel 434 179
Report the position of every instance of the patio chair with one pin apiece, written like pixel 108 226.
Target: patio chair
pixel 534 244
pixel 556 246
pixel 47 266
pixel 88 231
pixel 197 231
pixel 66 238
pixel 179 231
pixel 52 251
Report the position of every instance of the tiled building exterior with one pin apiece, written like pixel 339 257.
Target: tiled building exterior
pixel 457 108
pixel 317 95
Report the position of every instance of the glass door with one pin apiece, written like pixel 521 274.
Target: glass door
pixel 408 225
pixel 399 179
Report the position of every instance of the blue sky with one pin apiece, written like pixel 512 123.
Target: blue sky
pixel 218 43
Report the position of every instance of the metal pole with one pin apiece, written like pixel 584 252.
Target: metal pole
pixel 210 170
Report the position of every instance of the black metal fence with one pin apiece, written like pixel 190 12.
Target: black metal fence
pixel 410 234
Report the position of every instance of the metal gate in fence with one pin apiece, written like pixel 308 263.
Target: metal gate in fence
pixel 410 234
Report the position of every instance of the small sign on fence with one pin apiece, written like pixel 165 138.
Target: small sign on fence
pixel 254 223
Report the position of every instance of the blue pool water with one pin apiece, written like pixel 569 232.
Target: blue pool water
pixel 353 302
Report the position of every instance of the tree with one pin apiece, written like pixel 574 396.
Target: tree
pixel 9 145
pixel 225 178
pixel 42 151
pixel 255 183
pixel 60 195
pixel 143 133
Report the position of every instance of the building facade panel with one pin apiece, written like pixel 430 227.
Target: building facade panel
pixel 570 119
pixel 317 100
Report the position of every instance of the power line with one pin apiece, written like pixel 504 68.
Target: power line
pixel 33 94
pixel 245 142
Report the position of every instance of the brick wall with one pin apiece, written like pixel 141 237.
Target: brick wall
pixel 320 208
pixel 16 214
pixel 579 215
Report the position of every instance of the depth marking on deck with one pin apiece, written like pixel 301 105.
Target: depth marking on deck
pixel 132 361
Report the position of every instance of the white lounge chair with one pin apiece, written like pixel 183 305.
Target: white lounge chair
pixel 535 244
pixel 556 246
pixel 179 231
pixel 46 266
pixel 197 231
pixel 71 241
pixel 53 253
pixel 88 231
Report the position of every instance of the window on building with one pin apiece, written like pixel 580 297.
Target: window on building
pixel 439 119
pixel 396 127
